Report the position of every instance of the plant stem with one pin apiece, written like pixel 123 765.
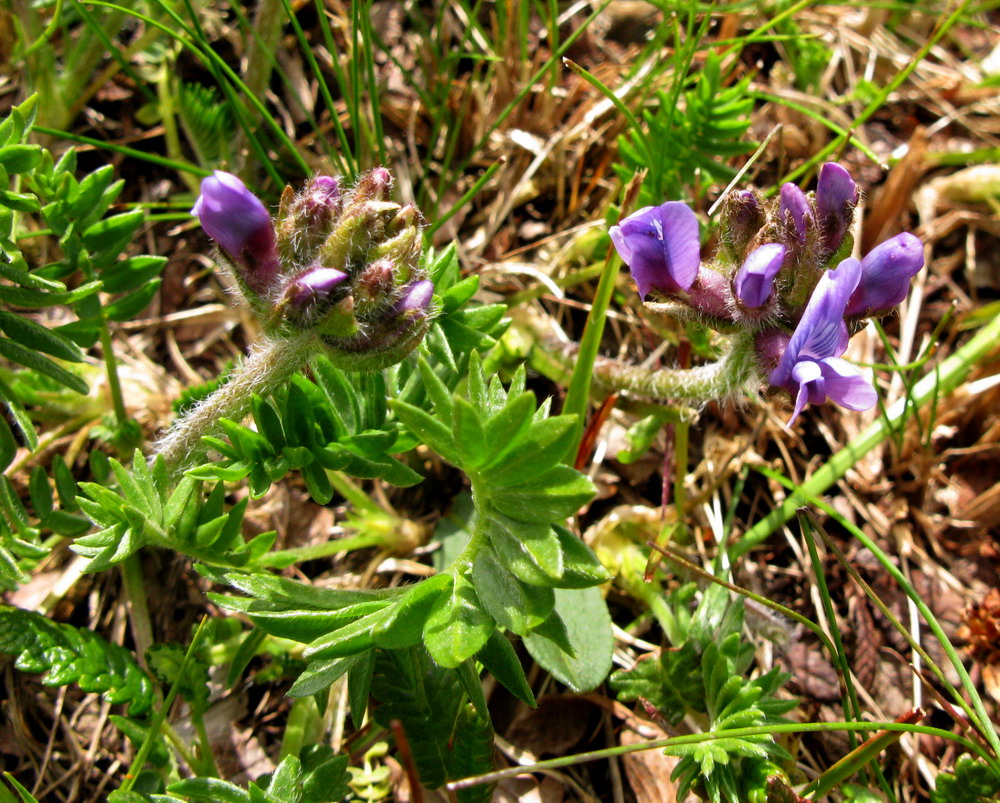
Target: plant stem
pixel 731 373
pixel 138 609
pixel 114 383
pixel 269 366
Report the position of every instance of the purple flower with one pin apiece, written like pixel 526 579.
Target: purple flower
pixel 236 219
pixel 836 197
pixel 416 297
pixel 660 246
pixel 794 211
pixel 314 287
pixel 885 275
pixel 755 278
pixel 810 368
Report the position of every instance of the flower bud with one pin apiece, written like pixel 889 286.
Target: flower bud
pixel 314 287
pixel 741 218
pixel 344 264
pixel 885 275
pixel 236 219
pixel 415 298
pixel 836 197
pixel 795 214
pixel 754 281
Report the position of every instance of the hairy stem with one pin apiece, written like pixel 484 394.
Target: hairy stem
pixel 269 365
pixel 731 373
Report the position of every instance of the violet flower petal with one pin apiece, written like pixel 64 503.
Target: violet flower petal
pixel 821 331
pixel 808 377
pixel 233 216
pixel 846 385
pixel 754 280
pixel 886 273
pixel 660 246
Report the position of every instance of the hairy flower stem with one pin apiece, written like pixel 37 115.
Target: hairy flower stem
pixel 270 365
pixel 723 378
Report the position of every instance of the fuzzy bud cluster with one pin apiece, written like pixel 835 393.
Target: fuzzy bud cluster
pixel 783 274
pixel 341 263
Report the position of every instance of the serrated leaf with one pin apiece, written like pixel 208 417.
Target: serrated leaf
pixel 470 438
pixel 554 496
pixel 73 655
pixel 546 444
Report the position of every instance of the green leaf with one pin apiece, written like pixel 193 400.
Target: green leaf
pixel 555 495
pixel 8 446
pixel 20 158
pixel 128 306
pixel 500 659
pixel 530 551
pixel 320 675
pixel 457 626
pixel 19 201
pixel 429 429
pixel 111 234
pixel 469 438
pixel 35 336
pixel 545 445
pixel 581 568
pixel 131 273
pixel 32 359
pixel 166 661
pixel 348 640
pixel 505 430
pixel 515 605
pixel 588 625
pixel 447 738
pixel 70 655
pixel 404 627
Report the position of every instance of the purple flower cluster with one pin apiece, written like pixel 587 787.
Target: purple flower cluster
pixel 783 274
pixel 344 264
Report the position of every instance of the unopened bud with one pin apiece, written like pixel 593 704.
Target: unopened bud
pixel 741 218
pixel 236 219
pixel 794 214
pixel 836 197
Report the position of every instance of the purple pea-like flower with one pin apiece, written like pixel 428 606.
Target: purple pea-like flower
pixel 314 287
pixel 754 280
pixel 416 297
pixel 885 275
pixel 836 197
pixel 794 211
pixel 810 368
pixel 237 220
pixel 660 246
